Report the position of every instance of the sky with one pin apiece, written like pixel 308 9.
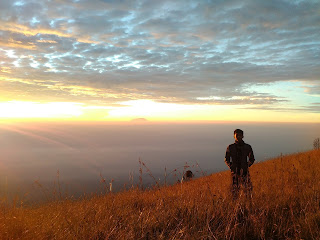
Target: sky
pixel 121 60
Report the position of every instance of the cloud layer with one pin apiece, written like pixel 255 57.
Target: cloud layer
pixel 202 52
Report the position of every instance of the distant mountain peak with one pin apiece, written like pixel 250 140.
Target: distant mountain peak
pixel 139 120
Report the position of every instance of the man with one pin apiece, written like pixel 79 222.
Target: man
pixel 239 157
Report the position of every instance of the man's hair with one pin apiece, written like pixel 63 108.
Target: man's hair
pixel 239 131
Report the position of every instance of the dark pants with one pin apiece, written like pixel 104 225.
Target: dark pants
pixel 239 180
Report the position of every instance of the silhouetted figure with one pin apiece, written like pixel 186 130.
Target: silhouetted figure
pixel 187 176
pixel 239 157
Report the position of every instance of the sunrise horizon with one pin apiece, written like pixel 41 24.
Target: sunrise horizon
pixel 143 111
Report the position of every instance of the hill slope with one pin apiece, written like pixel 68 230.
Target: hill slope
pixel 285 205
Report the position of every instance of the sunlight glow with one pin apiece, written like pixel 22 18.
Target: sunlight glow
pixel 19 109
pixel 148 109
pixel 140 109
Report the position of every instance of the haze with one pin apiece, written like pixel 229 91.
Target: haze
pixel 82 152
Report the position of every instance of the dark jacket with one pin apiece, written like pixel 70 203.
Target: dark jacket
pixel 239 156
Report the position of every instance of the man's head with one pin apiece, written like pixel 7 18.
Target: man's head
pixel 238 134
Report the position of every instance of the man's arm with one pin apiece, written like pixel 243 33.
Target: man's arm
pixel 250 156
pixel 227 157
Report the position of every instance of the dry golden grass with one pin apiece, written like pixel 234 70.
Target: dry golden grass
pixel 285 205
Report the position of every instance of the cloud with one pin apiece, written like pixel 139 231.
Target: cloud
pixel 311 88
pixel 312 108
pixel 181 51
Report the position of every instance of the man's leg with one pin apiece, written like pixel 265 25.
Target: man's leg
pixel 247 185
pixel 235 185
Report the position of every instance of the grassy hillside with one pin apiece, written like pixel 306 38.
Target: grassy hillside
pixel 285 205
